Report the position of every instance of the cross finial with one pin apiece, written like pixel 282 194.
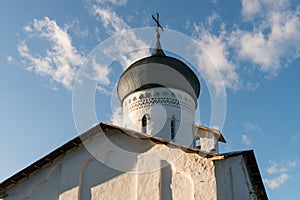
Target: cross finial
pixel 157 51
pixel 156 19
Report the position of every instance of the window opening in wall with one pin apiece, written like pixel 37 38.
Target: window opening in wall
pixel 172 128
pixel 144 124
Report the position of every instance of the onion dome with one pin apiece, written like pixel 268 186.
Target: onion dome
pixel 158 70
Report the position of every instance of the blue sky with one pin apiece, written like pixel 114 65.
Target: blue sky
pixel 254 44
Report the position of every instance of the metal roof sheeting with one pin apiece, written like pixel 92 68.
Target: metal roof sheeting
pixel 164 71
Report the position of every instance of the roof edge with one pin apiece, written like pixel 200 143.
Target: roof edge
pixel 253 171
pixel 77 142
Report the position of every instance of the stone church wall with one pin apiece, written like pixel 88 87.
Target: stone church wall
pixel 232 179
pixel 164 173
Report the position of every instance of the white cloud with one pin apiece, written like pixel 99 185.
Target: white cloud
pixel 246 140
pixel 271 45
pixel 273 42
pixel 268 44
pixel 250 127
pixel 214 50
pixel 295 138
pixel 100 73
pixel 252 86
pixel 127 46
pixel 276 182
pixel 77 29
pixel 293 163
pixel 250 8
pixel 212 18
pixel 97 34
pixel 60 61
pixel 117 117
pixel 9 59
pixel 113 2
pixel 275 169
pixel 110 20
pixel 281 170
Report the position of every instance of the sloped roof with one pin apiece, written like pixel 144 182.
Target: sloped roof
pixel 76 142
pixel 94 131
pixel 215 131
pixel 253 171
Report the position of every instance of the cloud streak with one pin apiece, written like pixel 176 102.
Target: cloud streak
pixel 60 61
pixel 215 51
pixel 268 46
pixel 280 172
pixel 109 19
pixel 273 42
pixel 246 140
pixel 277 182
pixel 128 46
pixel 250 127
pixel 275 169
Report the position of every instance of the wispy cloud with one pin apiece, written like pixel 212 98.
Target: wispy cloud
pixel 129 47
pixel 109 18
pixel 9 59
pixel 117 116
pixel 101 74
pixel 275 169
pixel 295 138
pixel 246 140
pixel 292 163
pixel 113 2
pixel 281 173
pixel 215 52
pixel 275 183
pixel 250 127
pixel 273 42
pixel 60 60
pixel 250 8
pixel 77 28
pixel 268 44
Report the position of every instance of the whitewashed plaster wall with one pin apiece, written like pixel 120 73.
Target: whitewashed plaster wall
pixel 232 179
pixel 165 172
pixel 78 175
pixel 161 105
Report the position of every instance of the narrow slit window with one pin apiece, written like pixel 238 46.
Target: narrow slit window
pixel 172 128
pixel 144 124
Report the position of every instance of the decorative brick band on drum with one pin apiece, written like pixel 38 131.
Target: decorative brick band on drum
pixel 143 102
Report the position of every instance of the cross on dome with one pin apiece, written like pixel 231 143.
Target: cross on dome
pixel 157 51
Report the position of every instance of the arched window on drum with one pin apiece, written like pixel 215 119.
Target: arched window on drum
pixel 173 123
pixel 145 120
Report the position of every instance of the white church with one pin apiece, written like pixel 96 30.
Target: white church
pixel 152 156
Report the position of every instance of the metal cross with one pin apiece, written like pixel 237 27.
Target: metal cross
pixel 157 22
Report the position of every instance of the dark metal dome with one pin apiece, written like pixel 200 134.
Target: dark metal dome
pixel 158 71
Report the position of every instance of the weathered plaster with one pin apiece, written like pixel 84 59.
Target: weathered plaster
pixel 161 172
pixel 161 105
pixel 232 179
